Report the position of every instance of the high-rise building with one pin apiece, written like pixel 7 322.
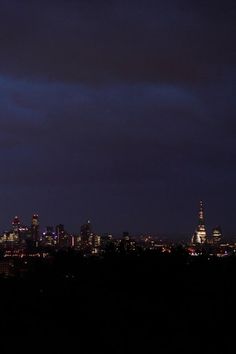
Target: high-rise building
pixel 49 237
pixel 216 235
pixel 86 231
pixel 64 240
pixel 15 234
pixel 16 225
pixel 35 230
pixel 76 242
pixel 95 242
pixel 90 241
pixel 107 243
pixel 21 232
pixel 9 239
pixel 25 235
pixel 200 235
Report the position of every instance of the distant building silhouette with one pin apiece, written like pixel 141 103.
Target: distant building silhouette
pixel 35 230
pixel 63 238
pixel 216 235
pixel 16 225
pixel 90 241
pixel 49 237
pixel 86 231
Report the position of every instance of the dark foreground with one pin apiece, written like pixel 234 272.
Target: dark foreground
pixel 161 303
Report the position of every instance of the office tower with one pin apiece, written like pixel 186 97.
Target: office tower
pixel 64 240
pixel 86 231
pixel 49 237
pixel 95 241
pixel 60 230
pixel 35 230
pixel 9 239
pixel 126 242
pixel 107 243
pixel 216 235
pixel 20 231
pixel 90 242
pixel 60 235
pixel 16 225
pixel 200 235
pixel 76 241
pixel 25 235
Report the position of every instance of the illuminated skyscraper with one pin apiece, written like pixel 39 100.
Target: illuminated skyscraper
pixel 200 235
pixel 90 242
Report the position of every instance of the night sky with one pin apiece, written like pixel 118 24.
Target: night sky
pixel 122 112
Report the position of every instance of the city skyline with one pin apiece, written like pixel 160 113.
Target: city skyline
pixel 201 235
pixel 117 175
pixel 122 112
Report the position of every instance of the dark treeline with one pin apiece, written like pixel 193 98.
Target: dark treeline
pixel 125 299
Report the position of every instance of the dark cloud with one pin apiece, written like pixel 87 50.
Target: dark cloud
pixel 119 111
pixel 98 42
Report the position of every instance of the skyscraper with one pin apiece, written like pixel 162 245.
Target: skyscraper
pixel 216 235
pixel 49 237
pixel 90 241
pixel 200 235
pixel 63 238
pixel 35 230
pixel 86 231
pixel 16 225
